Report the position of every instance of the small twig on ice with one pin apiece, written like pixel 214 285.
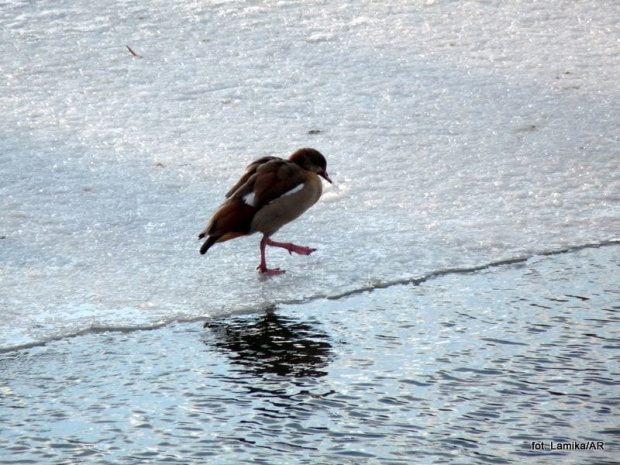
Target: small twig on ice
pixel 134 54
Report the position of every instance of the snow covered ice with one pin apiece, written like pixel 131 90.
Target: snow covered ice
pixel 457 134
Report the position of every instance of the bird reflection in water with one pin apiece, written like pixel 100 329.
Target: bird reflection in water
pixel 272 344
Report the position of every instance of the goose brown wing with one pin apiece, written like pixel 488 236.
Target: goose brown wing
pixel 250 170
pixel 270 180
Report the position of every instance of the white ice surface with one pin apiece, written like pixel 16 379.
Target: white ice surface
pixel 457 133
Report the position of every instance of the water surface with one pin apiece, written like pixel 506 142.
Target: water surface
pixel 462 368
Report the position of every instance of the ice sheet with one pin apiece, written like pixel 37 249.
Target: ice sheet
pixel 457 134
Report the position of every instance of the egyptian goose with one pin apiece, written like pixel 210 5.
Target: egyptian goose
pixel 271 193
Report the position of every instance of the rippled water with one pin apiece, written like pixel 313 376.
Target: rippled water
pixel 461 368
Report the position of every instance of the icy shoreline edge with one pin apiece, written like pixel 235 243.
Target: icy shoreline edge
pixel 360 290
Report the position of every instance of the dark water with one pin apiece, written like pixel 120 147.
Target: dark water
pixel 463 368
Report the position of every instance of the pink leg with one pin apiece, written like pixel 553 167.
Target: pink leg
pixel 262 268
pixel 298 249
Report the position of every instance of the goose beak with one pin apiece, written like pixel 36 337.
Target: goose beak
pixel 325 176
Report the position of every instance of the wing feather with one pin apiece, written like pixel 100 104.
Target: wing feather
pixel 249 172
pixel 267 180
